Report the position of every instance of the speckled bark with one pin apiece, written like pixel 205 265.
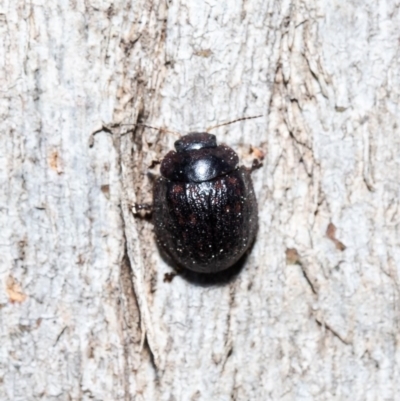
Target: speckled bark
pixel 85 310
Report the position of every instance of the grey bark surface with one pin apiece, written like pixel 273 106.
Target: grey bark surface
pixel 85 312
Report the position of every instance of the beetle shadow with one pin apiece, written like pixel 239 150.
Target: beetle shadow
pixel 220 278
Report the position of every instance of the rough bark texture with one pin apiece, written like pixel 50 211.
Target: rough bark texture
pixel 85 313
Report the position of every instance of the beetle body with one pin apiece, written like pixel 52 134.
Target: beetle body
pixel 205 210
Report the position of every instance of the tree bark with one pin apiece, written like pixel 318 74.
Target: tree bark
pixel 86 308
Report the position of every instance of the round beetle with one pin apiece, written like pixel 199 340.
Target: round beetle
pixel 204 206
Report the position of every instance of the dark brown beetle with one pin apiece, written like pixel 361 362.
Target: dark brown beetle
pixel 204 206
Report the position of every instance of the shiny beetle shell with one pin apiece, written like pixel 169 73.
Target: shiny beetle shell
pixel 205 210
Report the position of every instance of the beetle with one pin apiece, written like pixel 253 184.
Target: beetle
pixel 204 207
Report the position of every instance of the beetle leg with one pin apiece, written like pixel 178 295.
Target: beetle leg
pixel 256 165
pixel 154 163
pixel 147 207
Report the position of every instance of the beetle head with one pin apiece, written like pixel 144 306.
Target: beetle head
pixel 195 141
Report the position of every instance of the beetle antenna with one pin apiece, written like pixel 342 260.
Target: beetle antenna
pixel 231 122
pixel 158 129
